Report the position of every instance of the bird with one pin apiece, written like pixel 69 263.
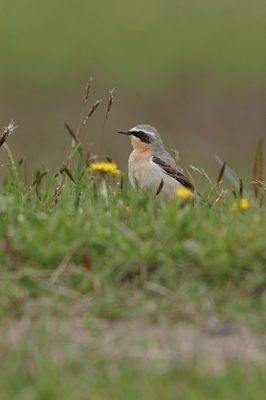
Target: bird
pixel 150 166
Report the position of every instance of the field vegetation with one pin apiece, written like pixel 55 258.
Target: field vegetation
pixel 109 293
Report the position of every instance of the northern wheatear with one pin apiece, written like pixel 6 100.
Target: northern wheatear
pixel 149 163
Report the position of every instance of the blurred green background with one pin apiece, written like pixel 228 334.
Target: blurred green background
pixel 194 69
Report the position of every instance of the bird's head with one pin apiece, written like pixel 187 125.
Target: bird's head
pixel 144 137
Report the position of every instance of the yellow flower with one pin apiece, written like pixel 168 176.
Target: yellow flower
pixel 183 193
pixel 243 205
pixel 106 167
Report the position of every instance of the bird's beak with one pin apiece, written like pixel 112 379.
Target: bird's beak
pixel 125 132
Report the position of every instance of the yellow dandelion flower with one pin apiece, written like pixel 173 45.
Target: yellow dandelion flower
pixel 106 167
pixel 183 193
pixel 244 203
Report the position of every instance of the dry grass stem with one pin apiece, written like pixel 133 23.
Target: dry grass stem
pixel 58 191
pixel 65 169
pixel 87 91
pixel 8 130
pixel 260 184
pixel 220 176
pixel 91 110
pixel 71 132
pixel 38 178
pixel 61 290
pixel 241 187
pixel 162 290
pixel 221 195
pixel 200 171
pixel 176 157
pixel 20 161
pixel 65 263
pixel 110 102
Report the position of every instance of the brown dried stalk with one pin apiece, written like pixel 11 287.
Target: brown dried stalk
pixel 65 169
pixel 110 102
pixel 58 191
pixel 221 195
pixel 86 96
pixel 38 178
pixel 201 172
pixel 21 160
pixel 241 187
pixel 71 132
pixel 220 176
pixel 87 91
pixel 91 110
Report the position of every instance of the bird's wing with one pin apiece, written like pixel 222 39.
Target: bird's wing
pixel 175 173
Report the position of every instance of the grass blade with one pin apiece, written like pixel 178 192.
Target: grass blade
pixel 232 176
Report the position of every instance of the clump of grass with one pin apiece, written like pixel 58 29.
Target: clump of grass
pixel 97 189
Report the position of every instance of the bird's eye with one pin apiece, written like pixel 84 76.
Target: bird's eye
pixel 141 133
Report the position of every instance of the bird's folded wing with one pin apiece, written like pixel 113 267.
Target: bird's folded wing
pixel 173 172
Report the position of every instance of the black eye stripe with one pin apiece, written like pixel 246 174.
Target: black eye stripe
pixel 144 137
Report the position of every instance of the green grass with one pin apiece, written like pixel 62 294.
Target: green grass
pixel 109 293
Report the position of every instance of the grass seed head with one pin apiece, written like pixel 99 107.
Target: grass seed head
pixel 110 102
pixel 71 132
pixel 8 130
pixel 91 110
pixel 87 91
